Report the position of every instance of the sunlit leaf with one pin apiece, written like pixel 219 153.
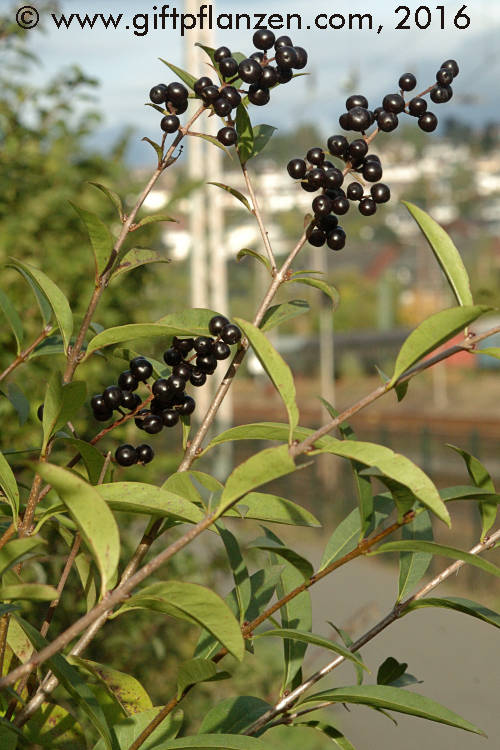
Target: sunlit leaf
pixel 101 239
pixel 13 319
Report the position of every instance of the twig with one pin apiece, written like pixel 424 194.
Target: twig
pixel 258 215
pixel 23 356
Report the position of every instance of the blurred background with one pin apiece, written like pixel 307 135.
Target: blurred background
pixel 71 111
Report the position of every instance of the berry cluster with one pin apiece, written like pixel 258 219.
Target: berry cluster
pixel 175 98
pixel 170 400
pixel 315 173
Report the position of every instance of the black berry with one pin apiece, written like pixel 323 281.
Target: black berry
pixel 39 412
pixel 211 93
pixel 103 416
pixel 441 94
pixel 161 389
pixel 227 136
pixel 140 368
pixel 152 424
pixel 317 178
pixel 358 149
pixel 452 66
pixel 286 57
pixel 170 123
pixel 158 94
pixel 139 418
pixel 112 396
pixel 197 377
pixel 228 67
pixel 97 403
pixel 341 205
pixel 283 41
pixel 315 156
pixel 301 58
pixel 128 400
pixel 444 77
pixel 206 363
pixel 356 100
pixel 201 84
pixel 216 324
pixel 407 82
pixel 269 76
pixel 316 237
pixel 230 334
pixel 220 53
pixel 183 370
pixel 393 103
pixel 428 122
pixel 333 178
pixel 176 383
pixel 249 70
pixel 183 345
pixel 284 74
pixel 372 171
pixel 327 223
pixel 232 95
pixel 172 357
pixel 221 350
pixel 336 239
pixel 359 119
pixel 203 345
pixel 127 381
pixel 296 168
pixel 177 93
pixel 380 193
pixel 169 417
pixel 322 205
pixel 355 191
pixel 145 454
pixel 126 455
pixel 417 106
pixel 367 206
pixel 222 107
pixel 263 39
pixel 187 406
pixel 338 145
pixel 387 121
pixel 258 95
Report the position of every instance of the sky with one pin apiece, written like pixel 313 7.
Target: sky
pixel 127 64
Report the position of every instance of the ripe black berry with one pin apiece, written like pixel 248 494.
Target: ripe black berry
pixel 222 107
pixel 283 41
pixel 296 168
pixel 181 108
pixel 126 455
pixel 333 178
pixel 355 191
pixel 387 121
pixel 183 370
pixel 227 136
pixel 444 77
pixel 322 205
pixel 380 193
pixel 452 66
pixel 161 389
pixel 228 67
pixel 183 345
pixel 393 103
pixel 187 406
pixel 127 381
pixel 407 82
pixel 315 156
pixel 356 100
pixel 232 95
pixel 97 403
pixel 269 76
pixel 139 418
pixel 220 53
pixel 417 106
pixel 338 145
pixel 258 56
pixel 152 424
pixel 145 453
pixel 221 350
pixel 317 178
pixel 367 206
pixel 39 412
pixel 104 415
pixel 216 324
pixel 336 239
pixel 172 357
pixel 112 396
pixel 128 400
pixel 316 237
pixel 341 205
pixel 284 74
pixel 372 171
pixel 258 95
pixel 249 70
pixel 207 363
pixel 169 417
pixel 201 84
pixel 176 383
pixel 263 39
pixel 158 94
pixel 210 94
pixel 358 149
pixel 170 123
pixel 140 368
pixel 286 57
pixel 428 122
pixel 305 185
pixel 301 58
pixel 327 223
pixel 230 334
pixel 177 93
pixel 359 119
pixel 441 94
pixel 197 377
pixel 345 121
pixel 203 345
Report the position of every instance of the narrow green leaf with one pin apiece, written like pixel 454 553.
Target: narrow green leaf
pixel 209 741
pixel 296 614
pixel 9 486
pixel 259 431
pixel 53 728
pixel 92 458
pixel 446 254
pixel 19 402
pixel 135 259
pixel 390 670
pixel 363 483
pixel 153 219
pixel 482 479
pixel 92 516
pixel 13 320
pixel 211 139
pixel 43 303
pixel 258 256
pixel 276 368
pixel 262 134
pixel 113 197
pixel 285 311
pixel 348 642
pixel 327 289
pixel 53 295
pixel 293 558
pixel 448 494
pixel 128 730
pixel 127 690
pixel 438 549
pixel 194 671
pixel 187 78
pixel 158 149
pixel 414 565
pixel 458 604
pixel 235 193
pixel 395 699
pixel 161 110
pixel 432 332
pixel 9 735
pixel 36 592
pixel 331 732
pixel 314 640
pixel 263 507
pixel 135 497
pixel 194 603
pixel 242 585
pixel 233 715
pixel 490 352
pixel 259 469
pixel 101 239
pixel 343 540
pixel 87 577
pixel 62 403
pixel 245 134
pixel 16 549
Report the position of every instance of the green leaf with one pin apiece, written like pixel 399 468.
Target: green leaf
pixel 277 314
pixel 62 403
pixel 9 735
pixel 458 604
pixel 491 352
pixel 135 259
pixel 242 585
pixel 259 469
pixel 482 479
pixel 263 507
pixel 85 571
pixel 258 431
pixel 314 640
pixel 52 727
pixel 233 715
pixel 262 134
pixel 276 368
pixel 53 297
pixel 194 671
pixel 158 149
pixel 153 219
pixel 113 197
pixel 36 592
pixel 293 558
pixel 126 689
pixel 477 494
pixel 128 730
pixel 390 670
pixel 331 732
pixel 92 516
pixel 16 549
pixel 194 603
pixel 446 254
pixel 437 549
pixel 92 458
pixel 258 256
pixel 43 303
pixel 211 139
pixel 187 78
pixel 363 483
pixel 431 333
pixel 296 614
pixel 101 239
pixel 13 320
pixel 327 289
pixel 395 699
pixel 235 193
pixel 414 565
pixel 9 486
pixel 343 540
pixel 136 497
pixel 245 134
pixel 187 323
pixel 19 402
pixel 347 641
pixel 209 741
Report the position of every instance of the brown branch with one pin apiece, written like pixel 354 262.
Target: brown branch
pixel 23 356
